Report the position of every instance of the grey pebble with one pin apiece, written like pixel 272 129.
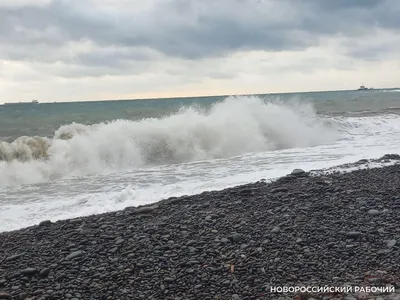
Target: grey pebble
pixel 374 212
pixel 236 237
pixel 275 229
pixel 353 234
pixel 75 254
pixel 391 243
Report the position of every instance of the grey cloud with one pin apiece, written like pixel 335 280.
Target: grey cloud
pixel 388 49
pixel 82 71
pixel 115 57
pixel 345 4
pixel 187 29
pixel 371 54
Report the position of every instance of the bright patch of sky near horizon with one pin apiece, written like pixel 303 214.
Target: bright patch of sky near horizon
pixel 59 50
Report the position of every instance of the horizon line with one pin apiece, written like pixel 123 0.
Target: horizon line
pixel 199 96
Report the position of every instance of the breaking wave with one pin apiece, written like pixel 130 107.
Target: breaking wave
pixel 232 127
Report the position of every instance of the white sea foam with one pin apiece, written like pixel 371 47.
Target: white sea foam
pixel 236 126
pixel 347 168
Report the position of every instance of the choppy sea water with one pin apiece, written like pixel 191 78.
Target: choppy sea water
pixel 63 160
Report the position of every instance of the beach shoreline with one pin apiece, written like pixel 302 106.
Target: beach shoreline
pixel 237 243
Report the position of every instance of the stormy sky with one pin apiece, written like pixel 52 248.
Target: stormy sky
pixel 70 50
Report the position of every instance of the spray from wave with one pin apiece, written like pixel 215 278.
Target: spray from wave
pixel 235 126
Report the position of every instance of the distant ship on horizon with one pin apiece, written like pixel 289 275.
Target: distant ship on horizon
pixel 18 103
pixel 363 88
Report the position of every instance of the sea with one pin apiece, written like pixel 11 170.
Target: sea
pixel 65 160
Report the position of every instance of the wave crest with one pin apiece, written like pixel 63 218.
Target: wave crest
pixel 232 127
pixel 25 148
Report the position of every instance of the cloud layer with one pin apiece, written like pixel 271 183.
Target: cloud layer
pixel 188 43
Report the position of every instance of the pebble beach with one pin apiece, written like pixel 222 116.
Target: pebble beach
pixel 333 229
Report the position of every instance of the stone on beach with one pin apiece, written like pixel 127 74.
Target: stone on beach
pixel 374 212
pixel 74 255
pixel 297 172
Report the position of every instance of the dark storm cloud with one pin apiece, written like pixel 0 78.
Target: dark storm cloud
pixel 164 30
pixel 187 29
